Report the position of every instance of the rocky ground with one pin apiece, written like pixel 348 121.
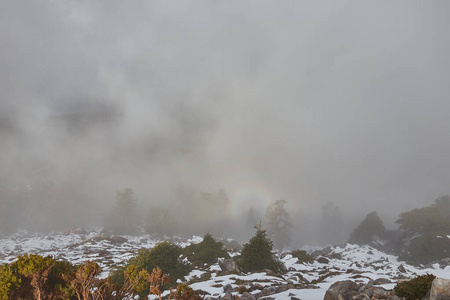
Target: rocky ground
pixel 365 266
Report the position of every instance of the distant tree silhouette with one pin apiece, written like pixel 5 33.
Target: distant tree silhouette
pixel 278 224
pixel 426 230
pixel 160 222
pixel 425 220
pixel 123 218
pixel 370 227
pixel 442 204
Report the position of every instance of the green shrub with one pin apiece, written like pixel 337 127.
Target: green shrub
pixel 9 281
pixel 34 276
pixel 416 288
pixel 257 254
pixel 164 255
pixel 206 252
pixel 29 264
pixel 302 256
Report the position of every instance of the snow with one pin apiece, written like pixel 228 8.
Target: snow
pixel 348 262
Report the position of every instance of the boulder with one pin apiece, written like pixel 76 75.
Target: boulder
pixel 440 289
pixel 228 288
pixel 248 296
pixel 229 265
pixel 323 260
pixel 401 269
pixel 342 290
pixel 381 281
pixel 269 272
pixel 381 293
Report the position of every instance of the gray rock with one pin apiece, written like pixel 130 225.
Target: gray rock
pixel 342 290
pixel 227 288
pixel 394 297
pixel 247 296
pixel 269 272
pixel 440 289
pixel 381 293
pixel 401 269
pixel 381 281
pixel 229 265
pixel 323 260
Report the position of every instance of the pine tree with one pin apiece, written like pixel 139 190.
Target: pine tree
pixel 278 224
pixel 257 254
pixel 123 218
pixel 160 222
pixel 370 227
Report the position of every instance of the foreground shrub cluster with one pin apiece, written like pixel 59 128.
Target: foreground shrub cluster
pixel 36 277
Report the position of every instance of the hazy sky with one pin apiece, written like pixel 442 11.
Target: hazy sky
pixel 341 101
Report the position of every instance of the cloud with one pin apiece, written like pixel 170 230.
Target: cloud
pixel 340 101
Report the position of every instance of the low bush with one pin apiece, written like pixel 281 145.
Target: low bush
pixel 206 252
pixel 302 256
pixel 164 255
pixel 33 276
pixel 416 288
pixel 184 292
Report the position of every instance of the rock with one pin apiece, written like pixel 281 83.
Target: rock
pixel 269 272
pixel 248 296
pixel 229 265
pixel 401 269
pixel 440 289
pixel 394 297
pixel 323 260
pixel 227 288
pixel 381 281
pixel 342 290
pixel 295 298
pixel 228 296
pixel 361 297
pixel 381 293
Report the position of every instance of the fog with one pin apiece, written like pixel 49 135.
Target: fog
pixel 344 102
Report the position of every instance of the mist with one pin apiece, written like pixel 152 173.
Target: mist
pixel 342 101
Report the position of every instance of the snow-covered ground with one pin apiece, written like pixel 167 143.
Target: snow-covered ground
pixel 349 262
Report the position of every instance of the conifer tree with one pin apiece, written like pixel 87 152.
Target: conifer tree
pixel 278 224
pixel 257 254
pixel 160 222
pixel 123 218
pixel 370 227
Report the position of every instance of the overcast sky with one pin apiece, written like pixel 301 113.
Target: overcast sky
pixel 340 101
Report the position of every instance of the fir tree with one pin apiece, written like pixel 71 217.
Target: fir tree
pixel 257 254
pixel 278 224
pixel 160 222
pixel 370 227
pixel 123 218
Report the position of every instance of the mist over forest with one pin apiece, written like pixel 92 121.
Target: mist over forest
pixel 339 107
